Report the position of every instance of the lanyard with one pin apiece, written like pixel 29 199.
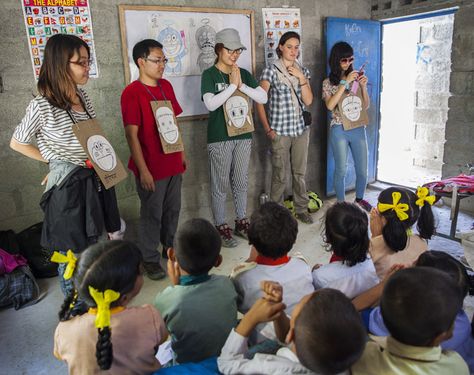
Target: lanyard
pixel 153 96
pixel 71 116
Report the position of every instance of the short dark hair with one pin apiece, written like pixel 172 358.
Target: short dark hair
pixel 339 51
pixel 418 304
pixel 283 39
pixel 197 246
pixel 329 334
pixel 347 232
pixel 395 230
pixel 142 49
pixel 272 230
pixel 447 263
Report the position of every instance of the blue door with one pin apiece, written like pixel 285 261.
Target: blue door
pixel 365 38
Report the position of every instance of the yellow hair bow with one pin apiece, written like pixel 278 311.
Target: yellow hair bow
pixel 69 258
pixel 103 301
pixel 423 196
pixel 399 208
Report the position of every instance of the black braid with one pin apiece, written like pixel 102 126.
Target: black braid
pixel 425 223
pixel 65 311
pixel 104 353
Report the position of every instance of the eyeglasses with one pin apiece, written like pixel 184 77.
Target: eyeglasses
pixel 157 61
pixel 347 60
pixel 83 63
pixel 237 51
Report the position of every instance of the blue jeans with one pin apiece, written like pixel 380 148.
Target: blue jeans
pixel 341 140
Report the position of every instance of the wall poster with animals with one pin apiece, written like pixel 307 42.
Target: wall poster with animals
pixel 44 18
pixel 276 22
pixel 188 38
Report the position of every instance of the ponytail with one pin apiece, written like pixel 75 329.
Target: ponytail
pixel 395 234
pixel 425 223
pixel 103 349
pixel 68 305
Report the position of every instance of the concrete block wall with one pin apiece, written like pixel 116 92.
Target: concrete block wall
pixel 459 134
pixel 20 178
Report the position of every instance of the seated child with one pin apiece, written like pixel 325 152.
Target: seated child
pixel 271 234
pixel 462 340
pixel 325 335
pixel 350 270
pixel 199 309
pixel 419 306
pixel 111 336
pixel 390 224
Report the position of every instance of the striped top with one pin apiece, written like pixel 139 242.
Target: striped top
pixel 52 129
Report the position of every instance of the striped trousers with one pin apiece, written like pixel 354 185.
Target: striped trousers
pixel 229 162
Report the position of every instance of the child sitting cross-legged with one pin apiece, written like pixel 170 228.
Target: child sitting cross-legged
pixel 111 338
pixel 272 234
pixel 419 306
pixel 350 269
pixel 324 335
pixel 199 309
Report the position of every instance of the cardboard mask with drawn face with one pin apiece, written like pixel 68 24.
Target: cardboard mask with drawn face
pixel 237 109
pixel 352 107
pixel 166 125
pixel 102 152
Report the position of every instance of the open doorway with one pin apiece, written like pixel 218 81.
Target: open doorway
pixel 416 67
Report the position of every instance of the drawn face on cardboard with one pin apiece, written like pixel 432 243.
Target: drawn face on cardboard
pixel 237 109
pixel 166 125
pixel 351 107
pixel 102 152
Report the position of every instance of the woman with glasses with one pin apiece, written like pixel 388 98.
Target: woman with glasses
pixel 290 92
pixel 228 155
pixel 340 80
pixel 75 203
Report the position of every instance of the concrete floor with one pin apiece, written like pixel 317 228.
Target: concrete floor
pixel 26 336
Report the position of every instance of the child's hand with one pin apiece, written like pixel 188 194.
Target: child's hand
pixel 173 271
pixel 265 311
pixel 392 270
pixel 316 266
pixel 377 222
pixel 272 291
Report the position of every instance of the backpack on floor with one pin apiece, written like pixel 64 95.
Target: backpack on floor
pixel 18 286
pixel 314 203
pixel 38 258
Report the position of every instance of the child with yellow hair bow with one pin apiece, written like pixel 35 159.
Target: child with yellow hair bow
pixel 393 241
pixel 111 336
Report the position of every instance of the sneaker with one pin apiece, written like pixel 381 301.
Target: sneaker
pixel 226 235
pixel 364 204
pixel 304 217
pixel 242 227
pixel 154 271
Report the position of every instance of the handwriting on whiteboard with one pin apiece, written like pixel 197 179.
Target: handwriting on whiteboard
pixel 352 29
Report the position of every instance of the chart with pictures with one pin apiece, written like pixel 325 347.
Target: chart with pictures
pixel 44 18
pixel 276 22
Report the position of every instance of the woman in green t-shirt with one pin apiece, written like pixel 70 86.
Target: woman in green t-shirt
pixel 229 155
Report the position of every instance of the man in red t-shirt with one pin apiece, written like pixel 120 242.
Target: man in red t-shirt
pixel 158 175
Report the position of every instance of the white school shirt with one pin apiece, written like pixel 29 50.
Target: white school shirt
pixel 351 281
pixel 294 276
pixel 233 361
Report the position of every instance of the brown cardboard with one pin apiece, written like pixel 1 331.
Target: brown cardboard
pixel 238 114
pixel 353 106
pixel 167 126
pixel 100 152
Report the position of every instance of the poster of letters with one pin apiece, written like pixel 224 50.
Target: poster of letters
pixel 188 38
pixel 276 22
pixel 44 18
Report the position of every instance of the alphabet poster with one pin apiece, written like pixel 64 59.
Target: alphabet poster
pixel 276 22
pixel 44 18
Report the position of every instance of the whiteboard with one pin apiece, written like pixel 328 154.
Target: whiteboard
pixel 188 38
